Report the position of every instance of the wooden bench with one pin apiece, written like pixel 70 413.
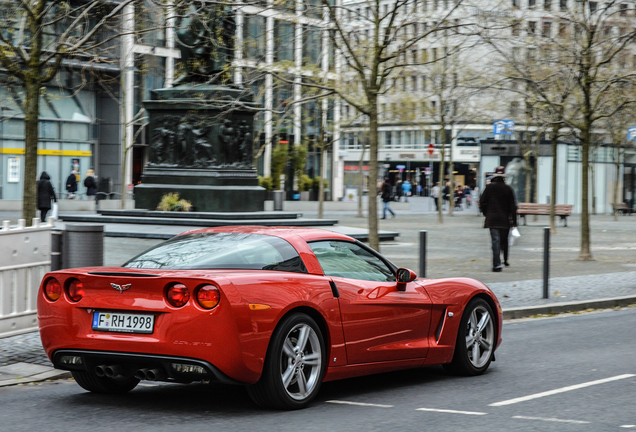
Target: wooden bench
pixel 561 210
pixel 622 208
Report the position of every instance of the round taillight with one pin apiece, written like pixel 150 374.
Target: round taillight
pixel 75 290
pixel 208 296
pixel 52 289
pixel 178 295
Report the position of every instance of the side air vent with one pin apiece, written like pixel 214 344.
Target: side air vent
pixel 124 274
pixel 441 325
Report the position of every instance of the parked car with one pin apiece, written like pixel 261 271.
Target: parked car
pixel 279 310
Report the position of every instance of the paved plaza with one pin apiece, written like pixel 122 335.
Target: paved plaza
pixel 458 247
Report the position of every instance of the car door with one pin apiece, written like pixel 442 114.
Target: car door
pixel 380 323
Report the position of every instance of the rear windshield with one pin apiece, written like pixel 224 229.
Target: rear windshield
pixel 221 251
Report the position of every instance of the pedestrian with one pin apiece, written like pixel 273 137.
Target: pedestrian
pixel 459 196
pixel 398 191
pixel 467 195
pixel 406 190
pixel 435 195
pixel 387 197
pixel 498 204
pixel 71 185
pixel 446 194
pixel 418 189
pixel 46 193
pixel 90 183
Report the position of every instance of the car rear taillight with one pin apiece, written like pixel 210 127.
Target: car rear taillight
pixel 52 289
pixel 75 290
pixel 208 296
pixel 178 295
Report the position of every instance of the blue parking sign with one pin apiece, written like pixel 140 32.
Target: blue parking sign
pixel 503 127
pixel 631 134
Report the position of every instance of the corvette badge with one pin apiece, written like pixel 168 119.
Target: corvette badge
pixel 121 288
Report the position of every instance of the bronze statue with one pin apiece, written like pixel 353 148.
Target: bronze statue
pixel 205 37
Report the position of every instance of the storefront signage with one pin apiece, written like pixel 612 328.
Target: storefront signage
pixel 13 171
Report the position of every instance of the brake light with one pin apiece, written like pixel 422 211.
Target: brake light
pixel 208 296
pixel 52 289
pixel 75 290
pixel 178 295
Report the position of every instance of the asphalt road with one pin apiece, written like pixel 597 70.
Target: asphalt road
pixel 571 372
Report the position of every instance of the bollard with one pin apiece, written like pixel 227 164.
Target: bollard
pixel 423 253
pixel 56 250
pixel 279 198
pixel 546 262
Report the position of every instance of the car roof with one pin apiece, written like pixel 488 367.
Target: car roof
pixel 284 232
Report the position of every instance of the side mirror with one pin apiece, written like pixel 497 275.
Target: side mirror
pixel 404 276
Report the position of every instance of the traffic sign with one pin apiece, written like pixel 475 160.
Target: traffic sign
pixel 503 127
pixel 631 134
pixel 400 167
pixel 431 149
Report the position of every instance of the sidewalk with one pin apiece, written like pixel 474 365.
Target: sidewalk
pixel 459 247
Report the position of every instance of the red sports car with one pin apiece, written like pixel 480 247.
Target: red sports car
pixel 279 310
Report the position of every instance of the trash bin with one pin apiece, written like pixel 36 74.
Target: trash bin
pixel 279 196
pixel 83 246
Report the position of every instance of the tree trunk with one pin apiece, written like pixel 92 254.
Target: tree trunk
pixel 440 199
pixel 585 253
pixel 554 137
pixel 617 179
pixel 361 184
pixel 31 123
pixel 451 179
pixel 374 240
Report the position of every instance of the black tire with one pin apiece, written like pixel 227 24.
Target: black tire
pixel 474 348
pixel 91 382
pixel 301 365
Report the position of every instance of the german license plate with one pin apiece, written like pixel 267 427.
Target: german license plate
pixel 123 322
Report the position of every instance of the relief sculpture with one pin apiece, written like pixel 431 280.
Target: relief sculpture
pixel 194 141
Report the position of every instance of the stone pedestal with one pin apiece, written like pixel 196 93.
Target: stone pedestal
pixel 201 148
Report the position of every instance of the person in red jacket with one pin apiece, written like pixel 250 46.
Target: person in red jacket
pixel 498 204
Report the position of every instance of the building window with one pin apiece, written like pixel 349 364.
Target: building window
pixel 516 29
pixel 311 45
pixel 563 5
pixel 623 9
pixel 423 82
pixel 283 40
pixel 547 5
pixel 563 29
pixel 254 37
pixel 388 138
pixel 532 28
pixel 547 29
pixel 516 3
pixel 514 109
pixel 414 83
pixel 531 54
pixel 532 3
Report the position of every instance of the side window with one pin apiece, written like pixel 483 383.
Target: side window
pixel 348 260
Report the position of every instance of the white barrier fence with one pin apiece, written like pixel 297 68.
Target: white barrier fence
pixel 25 256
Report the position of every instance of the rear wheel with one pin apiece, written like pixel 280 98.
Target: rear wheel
pixel 93 383
pixel 475 345
pixel 294 366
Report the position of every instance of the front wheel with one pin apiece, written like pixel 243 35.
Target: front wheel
pixel 90 381
pixel 476 338
pixel 294 365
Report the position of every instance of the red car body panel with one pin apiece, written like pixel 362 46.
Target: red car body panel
pixel 372 327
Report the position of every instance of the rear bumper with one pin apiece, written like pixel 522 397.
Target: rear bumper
pixel 130 363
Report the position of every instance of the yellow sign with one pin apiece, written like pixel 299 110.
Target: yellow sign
pixel 49 152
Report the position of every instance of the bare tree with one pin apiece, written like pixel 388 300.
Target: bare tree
pixel 37 36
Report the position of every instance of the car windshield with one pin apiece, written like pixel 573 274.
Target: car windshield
pixel 221 251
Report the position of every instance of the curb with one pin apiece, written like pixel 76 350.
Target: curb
pixel 556 308
pixel 43 376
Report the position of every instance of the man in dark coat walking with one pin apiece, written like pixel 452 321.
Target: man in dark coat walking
pixel 498 204
pixel 45 195
pixel 71 185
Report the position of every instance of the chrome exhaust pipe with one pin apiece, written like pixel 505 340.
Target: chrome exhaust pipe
pixel 155 375
pixel 112 371
pixel 141 374
pixel 100 371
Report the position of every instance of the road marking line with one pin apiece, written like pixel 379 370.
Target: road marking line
pixel 561 390
pixel 628 426
pixel 451 411
pixel 359 404
pixel 551 419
